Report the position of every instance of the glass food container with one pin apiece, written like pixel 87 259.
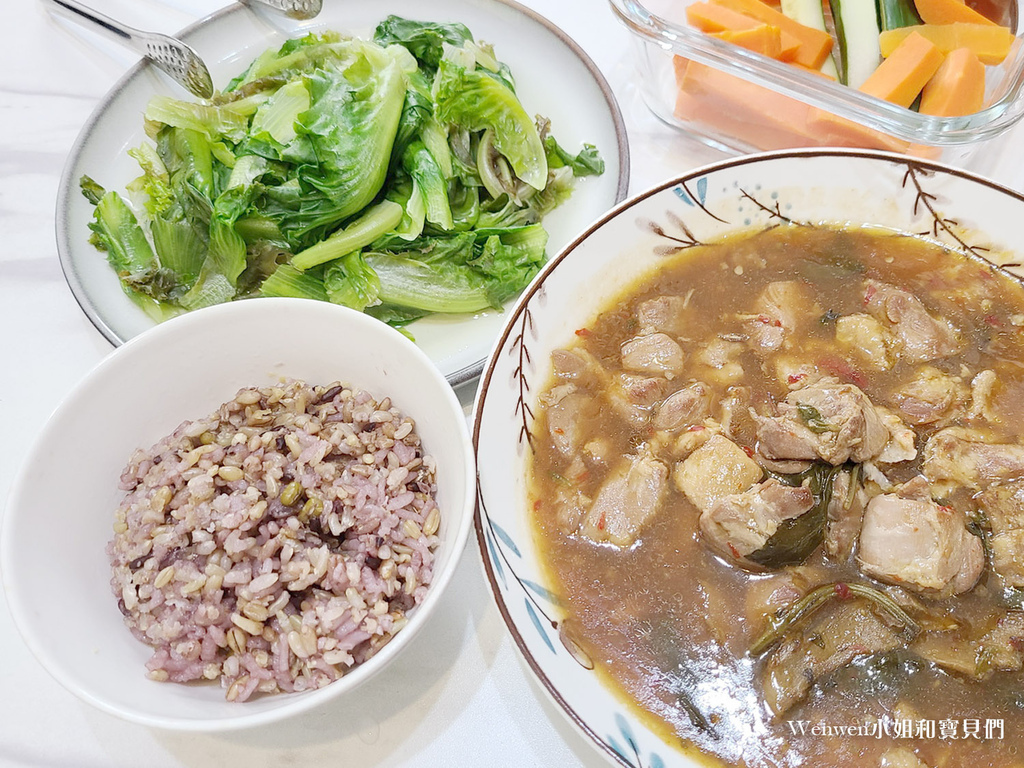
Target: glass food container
pixel 747 102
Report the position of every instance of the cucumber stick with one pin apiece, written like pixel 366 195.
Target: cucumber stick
pixel 857 32
pixel 810 14
pixel 893 14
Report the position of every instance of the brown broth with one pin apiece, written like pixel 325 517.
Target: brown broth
pixel 666 614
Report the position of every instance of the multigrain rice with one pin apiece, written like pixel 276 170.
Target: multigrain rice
pixel 278 542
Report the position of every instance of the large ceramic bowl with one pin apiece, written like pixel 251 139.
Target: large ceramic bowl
pixel 961 211
pixel 59 517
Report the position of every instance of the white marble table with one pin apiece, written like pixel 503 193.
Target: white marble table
pixel 460 695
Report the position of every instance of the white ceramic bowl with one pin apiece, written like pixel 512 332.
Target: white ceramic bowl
pixel 60 512
pixel 843 187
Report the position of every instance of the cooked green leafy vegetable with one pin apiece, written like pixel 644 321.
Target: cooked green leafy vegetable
pixel 812 417
pixel 797 537
pixel 399 176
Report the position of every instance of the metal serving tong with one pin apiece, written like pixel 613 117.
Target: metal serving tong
pixel 297 9
pixel 174 57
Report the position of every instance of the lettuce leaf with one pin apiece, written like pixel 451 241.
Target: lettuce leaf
pixel 423 39
pixel 474 99
pixel 399 176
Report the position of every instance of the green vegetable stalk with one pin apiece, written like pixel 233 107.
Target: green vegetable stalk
pixel 374 222
pixel 802 610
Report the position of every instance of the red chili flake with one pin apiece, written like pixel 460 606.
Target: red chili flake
pixel 869 293
pixel 558 431
pixel 765 320
pixel 695 428
pixel 600 523
pixel 842 591
pixel 735 552
pixel 948 509
pixel 536 505
pixel 994 321
pixel 583 332
pixel 582 476
pixel 749 451
pixel 795 377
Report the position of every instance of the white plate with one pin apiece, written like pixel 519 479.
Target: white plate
pixel 554 78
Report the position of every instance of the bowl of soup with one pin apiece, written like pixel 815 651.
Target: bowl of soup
pixel 751 468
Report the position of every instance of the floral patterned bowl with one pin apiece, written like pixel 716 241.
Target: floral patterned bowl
pixel 841 187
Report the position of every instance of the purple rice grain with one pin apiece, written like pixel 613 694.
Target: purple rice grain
pixel 228 583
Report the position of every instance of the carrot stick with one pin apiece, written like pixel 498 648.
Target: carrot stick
pixel 903 74
pixel 957 88
pixel 989 42
pixel 815 45
pixel 948 12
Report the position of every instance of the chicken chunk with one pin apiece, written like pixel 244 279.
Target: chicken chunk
pixel 734 415
pixel 600 452
pixel 720 361
pixel 931 397
pixel 568 413
pixel 983 387
pixel 921 336
pixel 835 422
pixel 578 366
pixel 692 438
pixel 956 456
pixel 910 541
pixel 663 314
pixel 628 499
pixel 654 353
pixel 794 371
pixel 571 503
pixel 864 335
pixel 688 406
pixel 780 310
pixel 633 396
pixel 1003 505
pixel 902 439
pixel 716 469
pixel 741 523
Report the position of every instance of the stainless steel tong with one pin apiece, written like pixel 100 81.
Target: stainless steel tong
pixel 174 57
pixel 297 9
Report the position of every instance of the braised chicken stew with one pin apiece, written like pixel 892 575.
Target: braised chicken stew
pixel 779 488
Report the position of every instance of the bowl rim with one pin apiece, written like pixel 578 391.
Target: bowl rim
pixel 292 704
pixel 515 316
pixel 68 186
